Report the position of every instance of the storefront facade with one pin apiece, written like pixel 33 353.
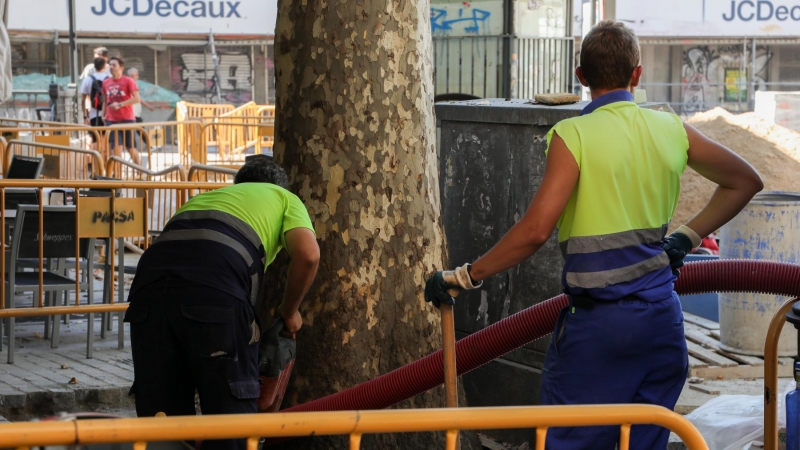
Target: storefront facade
pixel 698 55
pixel 167 40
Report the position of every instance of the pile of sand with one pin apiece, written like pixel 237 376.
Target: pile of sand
pixel 773 150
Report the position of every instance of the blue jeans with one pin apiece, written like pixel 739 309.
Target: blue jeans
pixel 631 351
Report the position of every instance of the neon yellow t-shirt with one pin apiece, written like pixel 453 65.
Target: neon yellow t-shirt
pixel 268 208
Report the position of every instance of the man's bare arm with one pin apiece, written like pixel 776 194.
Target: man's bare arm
pixel 532 231
pixel 301 243
pixel 737 181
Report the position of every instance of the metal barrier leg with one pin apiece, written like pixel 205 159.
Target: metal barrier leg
pixel 771 375
pixel 120 275
pixel 90 336
pixel 47 319
pixel 56 337
pixel 11 328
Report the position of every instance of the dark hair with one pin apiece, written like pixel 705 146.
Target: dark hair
pixel 99 64
pixel 262 170
pixel 609 54
pixel 102 51
pixel 119 60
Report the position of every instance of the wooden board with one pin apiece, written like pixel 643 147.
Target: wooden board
pixel 563 98
pixel 695 363
pixel 52 166
pixel 704 389
pixel 708 356
pixel 738 372
pixel 700 321
pixel 703 337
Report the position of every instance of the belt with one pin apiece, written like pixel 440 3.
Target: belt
pixel 582 302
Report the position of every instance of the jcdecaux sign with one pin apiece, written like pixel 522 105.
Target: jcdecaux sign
pixel 256 17
pixel 734 18
pixel 762 11
pixel 165 8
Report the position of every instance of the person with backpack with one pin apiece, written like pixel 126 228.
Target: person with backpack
pixel 92 97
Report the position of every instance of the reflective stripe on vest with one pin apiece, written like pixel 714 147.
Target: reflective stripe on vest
pixel 596 262
pixel 215 236
pixel 228 219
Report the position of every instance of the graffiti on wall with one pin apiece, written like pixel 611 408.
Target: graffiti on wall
pixel 195 77
pixel 466 18
pixel 704 74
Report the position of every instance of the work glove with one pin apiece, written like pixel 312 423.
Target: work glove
pixel 437 286
pixel 679 244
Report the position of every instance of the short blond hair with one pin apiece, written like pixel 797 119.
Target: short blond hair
pixel 609 54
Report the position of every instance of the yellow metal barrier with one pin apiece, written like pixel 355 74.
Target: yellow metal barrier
pixel 190 111
pixel 352 423
pixel 80 133
pixel 162 202
pixel 10 122
pixel 771 375
pixel 232 140
pixel 60 162
pixel 141 209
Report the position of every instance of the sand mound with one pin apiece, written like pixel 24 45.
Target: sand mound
pixel 773 150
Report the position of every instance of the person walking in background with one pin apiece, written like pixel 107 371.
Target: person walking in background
pixel 121 93
pixel 133 73
pixel 92 97
pixel 99 52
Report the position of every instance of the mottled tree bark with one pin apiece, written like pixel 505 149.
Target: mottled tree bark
pixel 355 130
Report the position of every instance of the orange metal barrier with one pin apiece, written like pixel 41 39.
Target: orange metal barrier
pixel 143 208
pixel 232 140
pixel 60 162
pixel 53 135
pixel 190 111
pixel 771 392
pixel 352 423
pixel 212 174
pixel 11 122
pixel 162 143
pixel 162 202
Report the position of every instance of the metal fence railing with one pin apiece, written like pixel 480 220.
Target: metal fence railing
pixel 469 65
pixel 60 162
pixel 543 66
pixel 353 423
pixel 108 210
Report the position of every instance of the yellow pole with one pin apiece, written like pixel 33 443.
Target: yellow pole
pixel 771 375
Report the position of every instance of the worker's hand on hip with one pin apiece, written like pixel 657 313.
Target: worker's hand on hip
pixel 292 319
pixel 677 246
pixel 437 286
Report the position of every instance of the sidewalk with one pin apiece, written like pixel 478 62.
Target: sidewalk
pixel 44 381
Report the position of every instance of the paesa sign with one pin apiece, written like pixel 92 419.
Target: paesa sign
pixel 250 17
pixel 167 8
pixel 762 11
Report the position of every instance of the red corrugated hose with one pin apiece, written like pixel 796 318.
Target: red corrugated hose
pixel 537 322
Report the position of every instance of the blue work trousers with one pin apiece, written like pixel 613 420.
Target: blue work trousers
pixel 630 351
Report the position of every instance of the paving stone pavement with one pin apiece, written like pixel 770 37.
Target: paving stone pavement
pixel 44 381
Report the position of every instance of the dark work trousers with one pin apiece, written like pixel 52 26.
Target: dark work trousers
pixel 630 351
pixel 187 337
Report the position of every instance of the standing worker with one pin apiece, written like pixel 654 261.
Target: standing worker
pixel 611 184
pixel 121 93
pixel 193 326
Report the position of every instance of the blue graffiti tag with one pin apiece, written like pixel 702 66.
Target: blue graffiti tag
pixel 439 23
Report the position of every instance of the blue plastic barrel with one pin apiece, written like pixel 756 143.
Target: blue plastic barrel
pixel 768 228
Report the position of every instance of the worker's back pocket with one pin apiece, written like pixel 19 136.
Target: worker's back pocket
pixel 245 389
pixel 137 312
pixel 209 330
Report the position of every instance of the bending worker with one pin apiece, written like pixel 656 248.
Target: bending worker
pixel 193 326
pixel 611 184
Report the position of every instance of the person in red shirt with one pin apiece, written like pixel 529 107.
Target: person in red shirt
pixel 121 93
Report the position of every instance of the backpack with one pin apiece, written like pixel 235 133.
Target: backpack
pixel 96 94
